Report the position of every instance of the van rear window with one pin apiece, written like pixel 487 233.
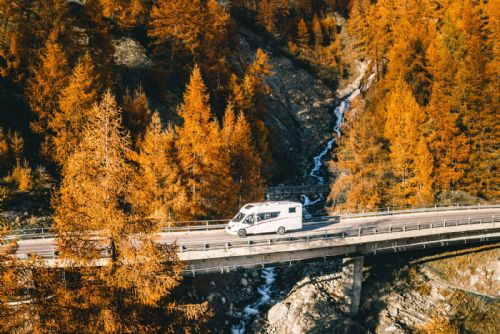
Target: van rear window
pixel 292 210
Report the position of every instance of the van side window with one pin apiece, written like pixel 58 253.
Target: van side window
pixel 292 210
pixel 267 215
pixel 274 214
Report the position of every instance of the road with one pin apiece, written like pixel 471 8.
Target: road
pixel 45 247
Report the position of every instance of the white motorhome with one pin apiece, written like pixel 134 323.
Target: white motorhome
pixel 266 217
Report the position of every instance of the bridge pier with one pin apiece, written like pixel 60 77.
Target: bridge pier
pixel 352 279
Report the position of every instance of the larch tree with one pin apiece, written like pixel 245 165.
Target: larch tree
pixel 10 275
pixel 361 165
pixel 203 162
pixel 175 28
pixel 127 13
pixel 75 104
pixel 303 36
pixel 403 131
pixel 318 32
pixel 245 163
pixel 249 97
pixel 446 141
pixel 158 192
pixel 266 15
pixel 477 108
pixel 48 80
pixel 303 7
pixel 255 86
pixel 358 21
pixel 25 27
pixel 136 113
pixel 94 181
pixel 217 40
pixel 91 218
pixel 28 280
pixel 195 32
pixel 93 32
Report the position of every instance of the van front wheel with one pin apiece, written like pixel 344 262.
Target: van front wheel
pixel 242 233
pixel 281 230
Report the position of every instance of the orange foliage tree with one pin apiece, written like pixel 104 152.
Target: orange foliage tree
pixel 91 220
pixel 76 100
pixel 202 159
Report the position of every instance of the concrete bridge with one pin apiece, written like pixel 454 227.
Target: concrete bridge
pixel 205 247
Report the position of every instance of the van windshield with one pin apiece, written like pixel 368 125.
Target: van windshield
pixel 239 217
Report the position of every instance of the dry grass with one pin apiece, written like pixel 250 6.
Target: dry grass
pixel 472 269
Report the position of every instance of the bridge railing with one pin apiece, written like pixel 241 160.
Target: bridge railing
pixel 392 210
pixel 334 234
pixel 219 224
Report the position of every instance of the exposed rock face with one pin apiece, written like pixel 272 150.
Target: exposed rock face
pixel 129 53
pixel 310 309
pixel 299 109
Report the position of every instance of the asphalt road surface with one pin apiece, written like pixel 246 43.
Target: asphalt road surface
pixel 45 247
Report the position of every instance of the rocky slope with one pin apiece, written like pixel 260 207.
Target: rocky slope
pixel 400 294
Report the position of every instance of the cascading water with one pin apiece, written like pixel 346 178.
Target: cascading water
pixel 269 276
pixel 339 111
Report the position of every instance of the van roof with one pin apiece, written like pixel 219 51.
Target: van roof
pixel 258 204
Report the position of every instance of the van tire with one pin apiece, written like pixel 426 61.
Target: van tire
pixel 281 230
pixel 242 233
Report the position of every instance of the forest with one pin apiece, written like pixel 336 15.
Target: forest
pixel 111 159
pixel 430 125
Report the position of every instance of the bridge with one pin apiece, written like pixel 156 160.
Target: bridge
pixel 205 247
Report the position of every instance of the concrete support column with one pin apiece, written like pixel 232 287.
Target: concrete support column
pixel 352 279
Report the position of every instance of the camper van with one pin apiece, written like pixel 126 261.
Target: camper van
pixel 266 217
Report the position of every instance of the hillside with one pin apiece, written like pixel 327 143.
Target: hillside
pixel 117 116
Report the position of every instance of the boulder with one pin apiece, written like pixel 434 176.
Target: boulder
pixel 277 313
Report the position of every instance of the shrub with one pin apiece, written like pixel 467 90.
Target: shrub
pixel 424 289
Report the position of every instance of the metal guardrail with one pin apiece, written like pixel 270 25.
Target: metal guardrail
pixel 331 234
pixel 390 211
pixel 219 224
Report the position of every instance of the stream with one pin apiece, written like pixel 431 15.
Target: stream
pixel 319 164
pixel 269 274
